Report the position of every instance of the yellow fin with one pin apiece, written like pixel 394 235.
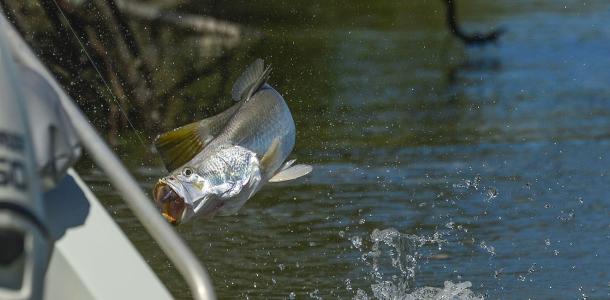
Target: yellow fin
pixel 180 145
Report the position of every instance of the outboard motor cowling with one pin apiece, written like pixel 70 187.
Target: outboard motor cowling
pixel 24 242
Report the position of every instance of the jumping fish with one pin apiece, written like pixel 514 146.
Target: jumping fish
pixel 220 162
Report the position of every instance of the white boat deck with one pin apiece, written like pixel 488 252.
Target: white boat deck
pixel 92 258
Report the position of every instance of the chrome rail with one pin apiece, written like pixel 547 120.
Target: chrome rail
pixel 170 242
pixel 174 247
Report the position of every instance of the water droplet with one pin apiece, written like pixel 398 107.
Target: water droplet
pixel 348 284
pixel 476 182
pixel 361 295
pixel 532 268
pixel 314 295
pixel 492 193
pixel 566 216
pixel 488 248
pixel 356 241
pixel 497 273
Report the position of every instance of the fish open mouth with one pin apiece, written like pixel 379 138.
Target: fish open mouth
pixel 170 204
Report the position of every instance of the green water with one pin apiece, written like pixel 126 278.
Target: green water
pixel 500 151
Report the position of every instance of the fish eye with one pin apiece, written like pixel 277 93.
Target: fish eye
pixel 187 172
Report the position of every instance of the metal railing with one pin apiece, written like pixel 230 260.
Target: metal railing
pixel 169 241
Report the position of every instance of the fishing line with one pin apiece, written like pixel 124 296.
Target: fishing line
pixel 100 74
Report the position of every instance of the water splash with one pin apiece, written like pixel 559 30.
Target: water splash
pixel 392 258
pixel 401 249
pixel 450 291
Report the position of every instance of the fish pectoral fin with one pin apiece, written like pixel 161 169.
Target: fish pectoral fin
pixel 180 145
pixel 291 173
pixel 287 165
pixel 270 156
pixel 250 80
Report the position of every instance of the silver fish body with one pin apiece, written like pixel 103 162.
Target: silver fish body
pixel 256 124
pixel 237 159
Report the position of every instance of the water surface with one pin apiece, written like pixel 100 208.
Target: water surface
pixel 434 165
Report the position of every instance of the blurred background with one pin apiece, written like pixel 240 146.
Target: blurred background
pixel 456 151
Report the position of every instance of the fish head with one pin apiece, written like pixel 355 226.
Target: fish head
pixel 171 205
pixel 220 185
pixel 181 194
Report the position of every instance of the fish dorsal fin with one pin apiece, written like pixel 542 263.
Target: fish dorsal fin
pixel 291 173
pixel 250 81
pixel 179 146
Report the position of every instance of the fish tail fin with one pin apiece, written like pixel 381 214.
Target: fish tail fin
pixel 250 80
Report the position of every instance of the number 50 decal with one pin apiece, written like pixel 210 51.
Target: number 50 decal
pixel 12 174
